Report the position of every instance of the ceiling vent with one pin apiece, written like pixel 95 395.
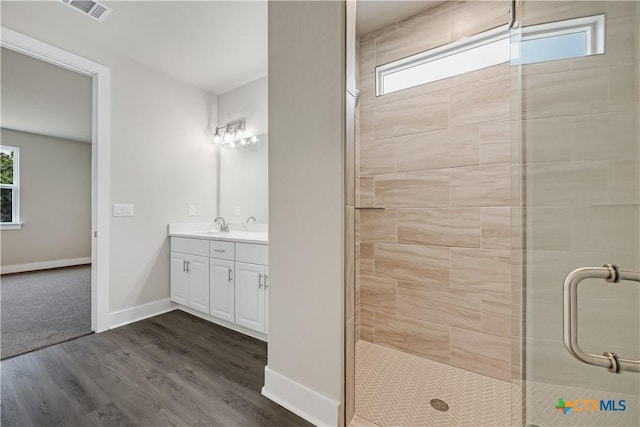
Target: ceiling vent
pixel 90 8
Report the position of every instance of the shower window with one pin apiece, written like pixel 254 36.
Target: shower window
pixel 537 43
pixel 473 53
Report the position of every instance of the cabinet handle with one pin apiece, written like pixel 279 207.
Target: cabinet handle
pixel 230 275
pixel 184 266
pixel 266 284
pixel 188 266
pixel 259 280
pixel 219 250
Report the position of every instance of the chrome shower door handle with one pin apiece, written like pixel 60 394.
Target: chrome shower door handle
pixel 611 274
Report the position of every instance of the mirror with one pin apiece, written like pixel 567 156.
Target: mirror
pixel 244 183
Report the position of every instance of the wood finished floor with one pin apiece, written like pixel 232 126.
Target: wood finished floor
pixel 170 370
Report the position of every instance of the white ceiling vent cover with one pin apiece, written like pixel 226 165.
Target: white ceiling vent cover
pixel 90 8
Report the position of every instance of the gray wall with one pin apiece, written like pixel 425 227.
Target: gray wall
pixel 161 158
pixel 55 200
pixel 306 194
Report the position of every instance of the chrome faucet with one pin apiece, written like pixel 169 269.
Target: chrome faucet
pixel 251 220
pixel 224 227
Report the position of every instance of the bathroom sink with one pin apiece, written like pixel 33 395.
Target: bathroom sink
pixel 236 235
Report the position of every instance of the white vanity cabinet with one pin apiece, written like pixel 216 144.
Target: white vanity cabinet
pixel 190 273
pixel 222 280
pixel 235 277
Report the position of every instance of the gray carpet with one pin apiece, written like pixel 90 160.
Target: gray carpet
pixel 41 308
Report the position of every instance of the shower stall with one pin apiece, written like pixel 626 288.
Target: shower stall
pixel 495 149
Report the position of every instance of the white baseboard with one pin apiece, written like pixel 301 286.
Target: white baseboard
pixel 43 265
pixel 232 326
pixel 140 312
pixel 301 400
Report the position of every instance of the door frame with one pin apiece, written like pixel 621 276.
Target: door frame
pixel 100 158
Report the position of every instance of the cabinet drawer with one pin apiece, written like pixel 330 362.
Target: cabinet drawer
pixel 254 254
pixel 222 250
pixel 190 246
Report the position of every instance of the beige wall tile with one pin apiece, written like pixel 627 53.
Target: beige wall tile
pixel 482 353
pixel 605 136
pixel 367 57
pixel 349 262
pixel 439 149
pixel 350 151
pixel 487 185
pixel 566 183
pixel 367 325
pixel 483 101
pixel 440 227
pixel 378 294
pixel 410 116
pixel 367 265
pixel 366 123
pixel 481 269
pixel 624 182
pixel 566 93
pixel 549 228
pixel 365 194
pixel 496 228
pixel 470 18
pixel 495 142
pixel 368 96
pixel 414 37
pixel 413 189
pixel 496 314
pixel 540 12
pixel 439 304
pixel 606 228
pixel 412 336
pixel 547 140
pixel 378 226
pixel 413 263
pixel 372 35
pixel 377 157
pixel 622 84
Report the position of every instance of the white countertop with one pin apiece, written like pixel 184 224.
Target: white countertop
pixel 209 231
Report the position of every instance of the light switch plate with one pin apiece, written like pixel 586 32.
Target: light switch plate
pixel 192 210
pixel 237 210
pixel 122 209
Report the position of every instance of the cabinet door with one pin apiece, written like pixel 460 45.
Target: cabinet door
pixel 221 283
pixel 198 283
pixel 179 278
pixel 267 289
pixel 250 296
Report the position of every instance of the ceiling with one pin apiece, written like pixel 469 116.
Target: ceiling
pixel 39 97
pixel 213 45
pixel 374 14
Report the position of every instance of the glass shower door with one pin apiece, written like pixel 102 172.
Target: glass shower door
pixel 575 123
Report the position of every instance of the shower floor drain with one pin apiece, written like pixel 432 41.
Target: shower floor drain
pixel 439 404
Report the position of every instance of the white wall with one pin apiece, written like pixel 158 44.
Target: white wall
pixel 55 200
pixel 306 207
pixel 249 102
pixel 161 160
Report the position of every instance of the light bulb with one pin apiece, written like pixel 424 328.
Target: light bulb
pixel 216 138
pixel 232 144
pixel 254 139
pixel 227 136
pixel 243 141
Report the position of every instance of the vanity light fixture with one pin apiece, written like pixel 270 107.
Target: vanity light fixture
pixel 233 135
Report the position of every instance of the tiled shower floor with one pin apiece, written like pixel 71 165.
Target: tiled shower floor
pixel 395 388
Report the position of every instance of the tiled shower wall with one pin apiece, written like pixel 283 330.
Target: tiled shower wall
pixel 580 133
pixel 434 266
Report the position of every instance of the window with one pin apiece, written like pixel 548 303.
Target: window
pixel 572 38
pixel 552 41
pixel 9 187
pixel 470 54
